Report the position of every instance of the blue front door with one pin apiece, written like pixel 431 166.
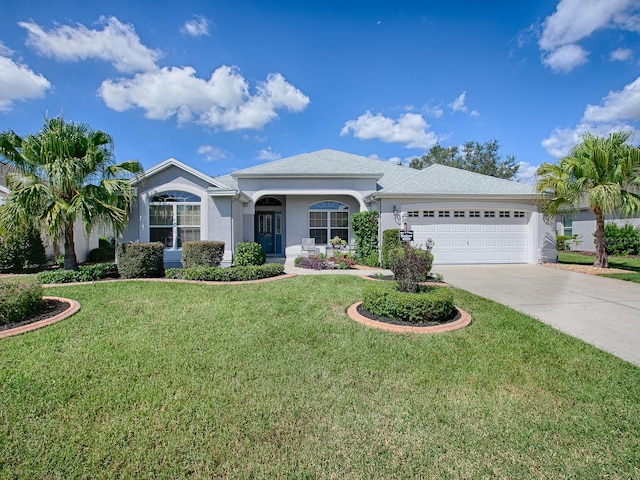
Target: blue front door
pixel 268 230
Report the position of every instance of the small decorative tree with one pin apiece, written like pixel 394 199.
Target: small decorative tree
pixel 411 266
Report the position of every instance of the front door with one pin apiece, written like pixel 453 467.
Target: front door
pixel 268 230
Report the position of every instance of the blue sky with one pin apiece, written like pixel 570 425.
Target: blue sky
pixel 225 85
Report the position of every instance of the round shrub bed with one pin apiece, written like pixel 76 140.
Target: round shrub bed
pixel 430 304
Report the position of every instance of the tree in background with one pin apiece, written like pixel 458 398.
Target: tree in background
pixel 65 172
pixel 604 173
pixel 476 157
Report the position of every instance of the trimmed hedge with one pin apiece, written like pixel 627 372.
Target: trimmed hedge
pixel 430 304
pixel 141 260
pixel 226 274
pixel 204 253
pixel 249 253
pixel 85 273
pixel 19 300
pixel 102 254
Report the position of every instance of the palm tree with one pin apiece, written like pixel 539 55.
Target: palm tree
pixel 66 172
pixel 603 172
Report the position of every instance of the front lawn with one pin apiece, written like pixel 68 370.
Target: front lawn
pixel 624 263
pixel 273 380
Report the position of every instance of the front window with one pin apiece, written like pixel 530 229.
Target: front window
pixel 174 218
pixel 567 226
pixel 327 220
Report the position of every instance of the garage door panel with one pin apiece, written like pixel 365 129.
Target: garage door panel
pixel 489 242
pixel 473 228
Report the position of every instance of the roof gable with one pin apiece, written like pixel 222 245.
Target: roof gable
pixel 444 180
pixel 172 162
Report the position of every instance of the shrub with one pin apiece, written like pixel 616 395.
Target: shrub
pixel 313 262
pixel 365 231
pixel 141 260
pixel 249 253
pixel 621 240
pixel 390 241
pixel 228 274
pixel 85 273
pixel 204 253
pixel 21 248
pixel 105 243
pixel 428 304
pixel 102 254
pixel 563 242
pixel 411 265
pixel 19 300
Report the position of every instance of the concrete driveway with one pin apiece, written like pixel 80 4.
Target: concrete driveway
pixel 601 311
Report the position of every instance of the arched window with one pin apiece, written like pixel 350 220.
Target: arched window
pixel 174 217
pixel 328 219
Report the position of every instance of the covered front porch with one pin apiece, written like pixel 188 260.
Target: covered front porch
pixel 279 221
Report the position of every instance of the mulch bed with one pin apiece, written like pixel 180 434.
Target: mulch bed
pixel 372 316
pixel 50 308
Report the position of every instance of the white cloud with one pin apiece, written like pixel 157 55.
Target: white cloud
pixel 116 43
pixel 197 27
pixel 565 58
pixel 616 106
pixel 223 101
pixel 410 129
pixel 458 104
pixel 574 20
pixel 474 113
pixel 615 112
pixel 211 153
pixel 621 54
pixel 526 173
pixel 433 111
pixel 18 82
pixel 5 51
pixel 268 154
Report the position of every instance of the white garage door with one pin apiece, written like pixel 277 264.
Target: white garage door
pixel 472 236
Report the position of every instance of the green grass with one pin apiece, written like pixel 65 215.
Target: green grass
pixel 624 263
pixel 273 380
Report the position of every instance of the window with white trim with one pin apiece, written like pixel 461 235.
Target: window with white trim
pixel 413 213
pixel 458 213
pixel 518 214
pixel 328 219
pixel 428 213
pixel 489 214
pixel 443 213
pixel 474 213
pixel 567 226
pixel 505 214
pixel 174 218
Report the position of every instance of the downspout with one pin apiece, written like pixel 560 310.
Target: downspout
pixel 233 248
pixel 379 232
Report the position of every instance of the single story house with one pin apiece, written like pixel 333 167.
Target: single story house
pixel 583 224
pixel 472 218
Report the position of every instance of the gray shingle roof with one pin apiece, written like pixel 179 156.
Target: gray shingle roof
pixel 327 163
pixel 442 180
